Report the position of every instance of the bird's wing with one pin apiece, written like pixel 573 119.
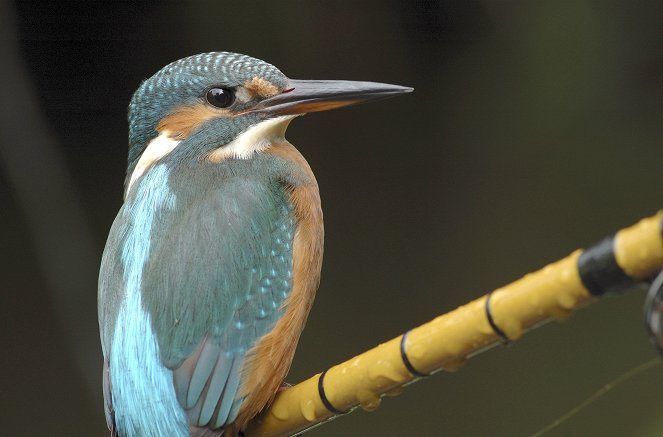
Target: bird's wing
pixel 214 284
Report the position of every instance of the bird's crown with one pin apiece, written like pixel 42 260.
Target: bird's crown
pixel 187 82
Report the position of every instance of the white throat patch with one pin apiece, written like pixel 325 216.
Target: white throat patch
pixel 155 150
pixel 255 139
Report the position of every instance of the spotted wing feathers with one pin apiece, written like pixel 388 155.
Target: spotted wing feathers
pixel 207 382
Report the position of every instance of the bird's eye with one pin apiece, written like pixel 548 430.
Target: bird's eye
pixel 220 97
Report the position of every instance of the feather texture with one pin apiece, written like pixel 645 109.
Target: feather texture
pixel 212 272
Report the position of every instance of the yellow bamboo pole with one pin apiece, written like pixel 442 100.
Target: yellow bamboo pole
pixel 631 255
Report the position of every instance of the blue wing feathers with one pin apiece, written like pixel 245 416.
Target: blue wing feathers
pixel 246 247
pixel 209 386
pixel 217 385
pixel 234 410
pixel 218 271
pixel 182 377
pixel 212 264
pixel 205 365
pixel 229 393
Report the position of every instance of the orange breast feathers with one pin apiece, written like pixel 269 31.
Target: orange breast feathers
pixel 269 361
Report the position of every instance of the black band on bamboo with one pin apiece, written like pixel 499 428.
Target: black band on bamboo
pixel 489 315
pixel 599 270
pixel 408 365
pixel 323 396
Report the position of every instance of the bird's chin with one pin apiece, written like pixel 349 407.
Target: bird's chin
pixel 255 139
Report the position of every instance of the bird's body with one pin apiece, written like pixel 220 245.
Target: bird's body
pixel 212 263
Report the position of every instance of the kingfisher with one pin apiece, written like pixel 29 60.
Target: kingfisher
pixel 213 261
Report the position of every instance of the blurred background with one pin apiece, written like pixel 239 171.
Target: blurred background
pixel 535 128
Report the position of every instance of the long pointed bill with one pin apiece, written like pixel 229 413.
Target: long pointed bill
pixel 302 96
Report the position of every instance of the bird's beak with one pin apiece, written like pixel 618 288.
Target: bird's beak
pixel 302 96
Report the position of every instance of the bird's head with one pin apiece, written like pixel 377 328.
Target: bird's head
pixel 219 98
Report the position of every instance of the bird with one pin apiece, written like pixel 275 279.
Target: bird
pixel 212 263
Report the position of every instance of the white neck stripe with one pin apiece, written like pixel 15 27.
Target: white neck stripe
pixel 255 139
pixel 155 150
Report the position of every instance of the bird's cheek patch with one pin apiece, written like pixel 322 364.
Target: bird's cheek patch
pixel 181 122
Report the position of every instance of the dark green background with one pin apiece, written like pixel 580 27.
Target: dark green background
pixel 535 128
